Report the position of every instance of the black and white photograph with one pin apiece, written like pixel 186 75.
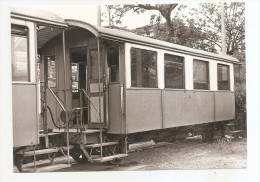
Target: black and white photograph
pixel 108 90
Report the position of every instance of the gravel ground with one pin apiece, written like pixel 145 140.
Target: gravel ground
pixel 187 155
pixel 193 154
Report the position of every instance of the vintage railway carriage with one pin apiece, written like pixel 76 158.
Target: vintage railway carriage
pixel 94 86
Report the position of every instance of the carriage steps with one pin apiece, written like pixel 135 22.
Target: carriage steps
pixel 52 150
pixel 105 158
pixel 46 151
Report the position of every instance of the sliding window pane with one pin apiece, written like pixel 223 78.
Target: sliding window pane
pixel 223 77
pixel 20 59
pixel 174 71
pixel 201 75
pixel 143 68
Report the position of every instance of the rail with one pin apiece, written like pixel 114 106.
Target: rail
pixel 67 120
pixel 57 99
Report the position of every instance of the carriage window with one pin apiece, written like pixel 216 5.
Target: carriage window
pixel 143 68
pixel 201 75
pixel 113 63
pixel 51 71
pixel 94 64
pixel 223 77
pixel 20 58
pixel 174 71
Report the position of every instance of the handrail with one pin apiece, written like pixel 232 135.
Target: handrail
pixel 63 108
pixel 122 101
pixel 57 99
pixel 89 100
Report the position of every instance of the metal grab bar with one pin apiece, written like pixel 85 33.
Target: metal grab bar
pixel 57 99
pixel 122 101
pixel 90 100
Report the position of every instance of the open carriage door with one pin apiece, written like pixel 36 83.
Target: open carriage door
pixel 95 89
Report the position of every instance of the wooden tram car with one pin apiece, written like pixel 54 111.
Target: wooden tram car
pixel 82 89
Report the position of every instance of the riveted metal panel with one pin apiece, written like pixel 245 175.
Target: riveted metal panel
pixel 224 106
pixel 182 108
pixel 25 124
pixel 143 110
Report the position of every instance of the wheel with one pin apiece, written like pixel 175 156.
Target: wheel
pixel 78 155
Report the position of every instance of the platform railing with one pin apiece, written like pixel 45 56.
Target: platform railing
pixel 67 119
pixel 57 99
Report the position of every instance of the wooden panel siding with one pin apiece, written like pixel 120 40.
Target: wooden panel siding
pixel 156 109
pixel 182 108
pixel 224 105
pixel 143 110
pixel 116 125
pixel 25 125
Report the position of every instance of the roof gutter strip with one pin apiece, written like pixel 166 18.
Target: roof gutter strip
pixel 44 21
pixel 208 55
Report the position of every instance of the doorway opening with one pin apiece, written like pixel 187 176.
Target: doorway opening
pixel 79 81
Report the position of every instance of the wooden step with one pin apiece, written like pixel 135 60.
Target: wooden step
pixel 98 144
pixel 89 131
pixel 48 168
pixel 41 151
pixel 110 158
pixel 45 151
pixel 52 168
pixel 49 134
pixel 73 130
pixel 62 130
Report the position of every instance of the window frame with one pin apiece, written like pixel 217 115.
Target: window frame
pixel 228 76
pixel 156 66
pixel 112 66
pixel 90 66
pixel 183 82
pixel 208 74
pixel 29 74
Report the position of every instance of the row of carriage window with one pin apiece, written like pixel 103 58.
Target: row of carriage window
pixel 143 67
pixel 144 71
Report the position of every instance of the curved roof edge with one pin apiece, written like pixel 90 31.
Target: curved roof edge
pixel 93 29
pixel 39 16
pixel 130 37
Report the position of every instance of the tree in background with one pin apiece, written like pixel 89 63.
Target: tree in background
pixel 165 11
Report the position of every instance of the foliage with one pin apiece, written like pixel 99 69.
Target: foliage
pixel 240 82
pixel 208 17
pixel 165 10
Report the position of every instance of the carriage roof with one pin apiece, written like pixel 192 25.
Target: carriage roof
pixel 113 34
pixel 40 16
pixel 125 36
